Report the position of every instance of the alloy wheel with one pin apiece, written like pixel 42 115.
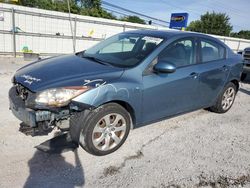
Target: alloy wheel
pixel 228 98
pixel 109 131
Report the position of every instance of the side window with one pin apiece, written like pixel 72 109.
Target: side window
pixel 123 45
pixel 179 53
pixel 211 51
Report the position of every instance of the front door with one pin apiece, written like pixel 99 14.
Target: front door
pixel 166 94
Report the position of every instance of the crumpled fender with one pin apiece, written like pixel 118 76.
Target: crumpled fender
pixel 103 92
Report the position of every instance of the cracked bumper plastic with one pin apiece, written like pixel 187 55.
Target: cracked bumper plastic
pixel 32 117
pixel 17 106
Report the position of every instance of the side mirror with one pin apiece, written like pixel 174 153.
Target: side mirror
pixel 240 52
pixel 164 67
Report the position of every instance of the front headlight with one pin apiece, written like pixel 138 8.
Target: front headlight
pixel 59 96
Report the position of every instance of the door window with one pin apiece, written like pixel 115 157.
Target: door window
pixel 211 51
pixel 180 53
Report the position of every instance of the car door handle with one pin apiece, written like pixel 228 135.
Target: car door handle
pixel 193 75
pixel 224 68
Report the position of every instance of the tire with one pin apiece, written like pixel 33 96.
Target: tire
pixel 223 104
pixel 243 76
pixel 101 131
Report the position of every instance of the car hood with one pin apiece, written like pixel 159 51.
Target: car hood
pixel 63 71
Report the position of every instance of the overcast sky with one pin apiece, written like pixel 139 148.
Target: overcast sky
pixel 238 10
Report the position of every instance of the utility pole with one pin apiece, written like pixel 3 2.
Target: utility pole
pixel 71 27
pixel 13 31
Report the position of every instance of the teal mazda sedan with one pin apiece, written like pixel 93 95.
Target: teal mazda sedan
pixel 124 82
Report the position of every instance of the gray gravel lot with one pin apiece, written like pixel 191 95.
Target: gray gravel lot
pixel 198 149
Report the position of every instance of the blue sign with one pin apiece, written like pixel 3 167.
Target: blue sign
pixel 178 21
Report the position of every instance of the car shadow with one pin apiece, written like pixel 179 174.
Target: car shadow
pixel 244 91
pixel 246 80
pixel 51 170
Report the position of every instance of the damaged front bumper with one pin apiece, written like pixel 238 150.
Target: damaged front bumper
pixel 38 117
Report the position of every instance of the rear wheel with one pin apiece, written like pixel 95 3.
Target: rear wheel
pixel 226 99
pixel 104 130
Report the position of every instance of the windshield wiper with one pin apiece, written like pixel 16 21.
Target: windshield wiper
pixel 96 60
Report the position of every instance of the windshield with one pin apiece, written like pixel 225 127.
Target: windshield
pixel 123 50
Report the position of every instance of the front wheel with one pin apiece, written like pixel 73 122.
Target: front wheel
pixel 105 129
pixel 226 99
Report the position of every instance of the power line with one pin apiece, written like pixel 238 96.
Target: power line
pixel 133 12
pixel 181 8
pixel 224 9
pixel 115 11
pixel 230 7
pixel 210 6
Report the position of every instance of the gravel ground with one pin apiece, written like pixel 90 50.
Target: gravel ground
pixel 198 149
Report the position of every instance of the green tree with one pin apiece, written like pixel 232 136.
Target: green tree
pixel 245 34
pixel 212 23
pixel 133 19
pixel 93 8
pixel 58 5
pixel 62 6
pixel 83 7
pixel 91 4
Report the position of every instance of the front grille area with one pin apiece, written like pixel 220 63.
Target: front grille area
pixel 246 55
pixel 15 98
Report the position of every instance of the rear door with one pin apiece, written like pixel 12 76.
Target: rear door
pixel 213 70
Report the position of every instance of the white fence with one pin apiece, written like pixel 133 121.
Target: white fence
pixel 48 32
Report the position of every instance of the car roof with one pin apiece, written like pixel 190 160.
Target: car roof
pixel 156 33
pixel 167 34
